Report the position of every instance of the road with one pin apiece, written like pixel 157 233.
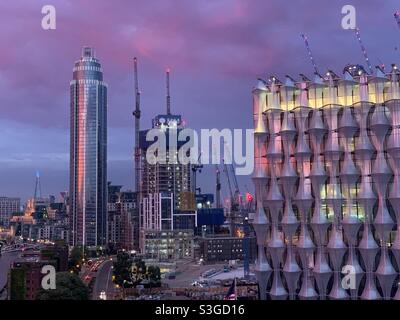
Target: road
pixel 5 262
pixel 187 273
pixel 103 281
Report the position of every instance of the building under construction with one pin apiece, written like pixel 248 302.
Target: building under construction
pixel 170 176
pixel 164 188
pixel 327 178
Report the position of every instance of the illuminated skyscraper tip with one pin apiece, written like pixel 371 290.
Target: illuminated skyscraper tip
pixel 88 52
pixel 38 188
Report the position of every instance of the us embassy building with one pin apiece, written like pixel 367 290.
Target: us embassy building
pixel 326 175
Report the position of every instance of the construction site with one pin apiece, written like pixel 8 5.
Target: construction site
pixel 175 220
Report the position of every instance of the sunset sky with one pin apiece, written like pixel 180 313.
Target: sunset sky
pixel 215 48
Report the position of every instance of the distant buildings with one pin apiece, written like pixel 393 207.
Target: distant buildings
pixel 8 207
pixel 42 220
pixel 120 224
pixel 88 154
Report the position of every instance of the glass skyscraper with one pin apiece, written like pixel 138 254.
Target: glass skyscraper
pixel 88 153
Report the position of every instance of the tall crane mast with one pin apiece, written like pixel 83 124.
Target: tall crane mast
pixel 246 247
pixel 236 193
pixel 196 167
pixel 218 186
pixel 236 185
pixel 136 115
pixel 364 51
pixel 228 180
pixel 233 207
pixel 236 211
pixel 168 94
pixel 310 55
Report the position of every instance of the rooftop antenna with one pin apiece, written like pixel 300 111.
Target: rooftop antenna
pixel 364 51
pixel 136 114
pixel 38 188
pixel 168 95
pixel 381 64
pixel 310 55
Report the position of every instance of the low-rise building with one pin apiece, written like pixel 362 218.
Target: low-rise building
pixel 25 280
pixel 219 249
pixel 25 276
pixel 169 244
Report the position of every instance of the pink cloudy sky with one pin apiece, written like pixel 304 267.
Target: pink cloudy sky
pixel 215 49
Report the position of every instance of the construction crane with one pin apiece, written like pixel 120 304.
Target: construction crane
pixel 233 205
pixel 218 186
pixel 364 51
pixel 136 115
pixel 237 194
pixel 231 213
pixel 228 179
pixel 168 94
pixel 310 55
pixel 246 247
pixel 196 167
pixel 237 212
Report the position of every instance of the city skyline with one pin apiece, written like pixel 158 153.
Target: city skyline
pixel 200 150
pixel 220 45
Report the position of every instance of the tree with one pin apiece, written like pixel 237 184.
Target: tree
pixel 75 259
pixel 17 283
pixel 154 275
pixel 122 269
pixel 68 287
pixel 139 271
